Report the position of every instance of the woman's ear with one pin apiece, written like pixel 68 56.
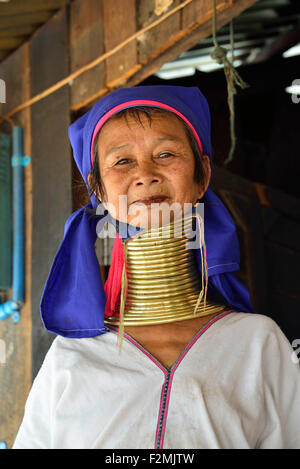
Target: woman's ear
pixel 92 185
pixel 207 175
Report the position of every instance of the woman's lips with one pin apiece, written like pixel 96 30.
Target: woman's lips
pixel 151 200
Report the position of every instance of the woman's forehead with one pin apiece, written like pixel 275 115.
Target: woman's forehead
pixel 141 116
pixel 159 125
pixel 175 107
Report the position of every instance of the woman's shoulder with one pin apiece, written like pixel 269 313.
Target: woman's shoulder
pixel 67 352
pixel 255 327
pixel 253 319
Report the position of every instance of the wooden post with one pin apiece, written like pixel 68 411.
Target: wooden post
pixel 51 164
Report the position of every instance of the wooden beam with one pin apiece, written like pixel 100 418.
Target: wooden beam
pixel 182 43
pixel 11 42
pixel 3 54
pixel 25 30
pixel 178 43
pixel 195 10
pixel 182 39
pixel 19 6
pixel 151 41
pixel 263 4
pixel 24 19
pixel 86 43
pixel 113 17
pixel 279 45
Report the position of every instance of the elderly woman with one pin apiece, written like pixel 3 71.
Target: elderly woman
pixel 168 353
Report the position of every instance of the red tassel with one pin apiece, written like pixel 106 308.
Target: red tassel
pixel 112 287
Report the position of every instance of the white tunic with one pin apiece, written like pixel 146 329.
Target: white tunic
pixel 234 386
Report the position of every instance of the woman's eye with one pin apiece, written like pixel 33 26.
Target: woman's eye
pixel 122 161
pixel 165 154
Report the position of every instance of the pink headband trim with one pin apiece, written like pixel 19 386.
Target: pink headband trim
pixel 141 102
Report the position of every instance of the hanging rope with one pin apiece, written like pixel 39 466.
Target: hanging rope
pixel 232 77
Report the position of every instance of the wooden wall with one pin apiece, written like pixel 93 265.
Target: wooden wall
pixel 15 373
pixel 145 54
pixel 52 165
pixel 48 202
pixel 72 38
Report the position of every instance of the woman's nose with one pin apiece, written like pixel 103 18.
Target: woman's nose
pixel 147 174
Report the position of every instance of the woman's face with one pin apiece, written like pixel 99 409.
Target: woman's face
pixel 146 164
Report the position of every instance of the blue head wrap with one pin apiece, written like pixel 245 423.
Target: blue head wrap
pixel 73 301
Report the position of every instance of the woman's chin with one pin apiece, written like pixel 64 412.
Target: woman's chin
pixel 148 218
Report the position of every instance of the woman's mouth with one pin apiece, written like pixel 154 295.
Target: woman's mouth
pixel 155 199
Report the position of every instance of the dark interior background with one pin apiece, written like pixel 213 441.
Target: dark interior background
pixel 267 121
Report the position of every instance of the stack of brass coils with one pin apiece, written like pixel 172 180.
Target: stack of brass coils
pixel 163 279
